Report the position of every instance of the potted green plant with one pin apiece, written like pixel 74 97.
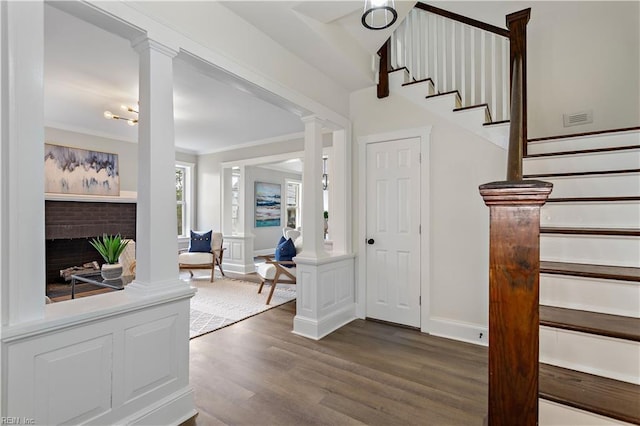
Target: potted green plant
pixel 110 248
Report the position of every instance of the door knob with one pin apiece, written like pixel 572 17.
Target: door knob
pixel 370 241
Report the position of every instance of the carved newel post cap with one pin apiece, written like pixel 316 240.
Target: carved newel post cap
pixel 529 192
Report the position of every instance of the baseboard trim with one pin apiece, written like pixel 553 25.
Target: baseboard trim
pixel 457 330
pixel 176 408
pixel 554 414
pixel 239 268
pixel 317 329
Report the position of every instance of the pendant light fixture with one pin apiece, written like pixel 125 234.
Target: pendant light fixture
pixel 379 14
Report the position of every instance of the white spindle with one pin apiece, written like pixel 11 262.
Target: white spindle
pixel 483 67
pixel 444 55
pixel 494 84
pixel 473 75
pixel 463 66
pixel 505 79
pixel 436 80
pixel 453 56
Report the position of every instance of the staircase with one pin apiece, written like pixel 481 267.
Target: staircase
pixel 590 271
pixel 589 369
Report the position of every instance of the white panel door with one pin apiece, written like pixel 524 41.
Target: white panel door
pixel 393 238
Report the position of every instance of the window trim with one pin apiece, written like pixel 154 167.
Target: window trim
pixel 188 202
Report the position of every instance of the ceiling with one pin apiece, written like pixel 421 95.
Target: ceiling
pixel 98 71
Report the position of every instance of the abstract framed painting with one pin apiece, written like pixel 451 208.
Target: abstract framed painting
pixel 267 204
pixel 79 171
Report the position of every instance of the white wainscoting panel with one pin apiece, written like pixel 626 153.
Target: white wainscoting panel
pixel 145 342
pixel 73 383
pixel 326 295
pixel 117 358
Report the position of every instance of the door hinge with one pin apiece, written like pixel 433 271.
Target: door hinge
pixel 420 229
pixel 419 300
pixel 419 157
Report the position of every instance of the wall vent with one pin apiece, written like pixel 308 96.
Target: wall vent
pixel 577 118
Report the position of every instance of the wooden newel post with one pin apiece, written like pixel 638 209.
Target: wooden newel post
pixel 514 267
pixel 383 73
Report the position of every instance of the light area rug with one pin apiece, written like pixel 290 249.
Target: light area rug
pixel 226 301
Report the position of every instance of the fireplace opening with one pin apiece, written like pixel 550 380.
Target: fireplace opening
pixel 71 225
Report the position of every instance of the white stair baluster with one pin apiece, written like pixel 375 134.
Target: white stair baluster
pixel 494 84
pixel 473 76
pixel 444 55
pixel 454 86
pixel 436 59
pixel 483 67
pixel 505 79
pixel 463 65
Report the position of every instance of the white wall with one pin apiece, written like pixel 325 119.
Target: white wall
pixel 127 152
pixel 459 162
pixel 581 56
pixel 209 170
pixel 266 238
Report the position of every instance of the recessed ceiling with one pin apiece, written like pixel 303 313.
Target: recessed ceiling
pixel 88 70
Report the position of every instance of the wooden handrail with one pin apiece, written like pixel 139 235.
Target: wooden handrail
pixel 383 75
pixel 517 24
pixel 463 19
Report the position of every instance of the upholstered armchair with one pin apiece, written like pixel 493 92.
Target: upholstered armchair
pixel 279 268
pixel 205 252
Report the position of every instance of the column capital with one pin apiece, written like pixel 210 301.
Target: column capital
pixel 308 119
pixel 143 43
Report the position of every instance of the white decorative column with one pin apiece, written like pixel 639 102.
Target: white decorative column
pixel 312 206
pixel 226 210
pixel 340 194
pixel 22 265
pixel 325 282
pixel 157 238
pixel 238 255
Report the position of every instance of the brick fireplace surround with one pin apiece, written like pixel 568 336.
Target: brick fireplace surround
pixel 70 225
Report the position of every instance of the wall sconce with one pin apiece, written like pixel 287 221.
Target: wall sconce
pixel 325 176
pixel 379 14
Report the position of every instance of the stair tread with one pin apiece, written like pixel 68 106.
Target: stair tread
pixel 444 93
pixel 577 135
pixel 590 173
pixel 418 81
pixel 615 326
pixel 631 232
pixel 624 273
pixel 583 151
pixel 596 394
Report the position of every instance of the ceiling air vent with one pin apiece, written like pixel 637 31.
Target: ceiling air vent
pixel 577 118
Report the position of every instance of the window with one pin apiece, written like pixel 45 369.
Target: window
pixel 293 219
pixel 235 199
pixel 183 198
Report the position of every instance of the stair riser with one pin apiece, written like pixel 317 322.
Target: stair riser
pixel 614 358
pixel 554 414
pixel 417 92
pixel 613 160
pixel 591 294
pixel 588 142
pixel 627 184
pixel 397 79
pixel 595 215
pixel 591 249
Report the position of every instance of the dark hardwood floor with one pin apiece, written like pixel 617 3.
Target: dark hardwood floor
pixel 257 372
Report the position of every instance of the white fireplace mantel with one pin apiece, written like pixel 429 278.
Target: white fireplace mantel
pixel 125 197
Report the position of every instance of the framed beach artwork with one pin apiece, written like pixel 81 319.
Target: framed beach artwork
pixel 70 170
pixel 267 204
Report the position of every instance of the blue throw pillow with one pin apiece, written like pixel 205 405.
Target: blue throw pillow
pixel 282 240
pixel 285 251
pixel 200 243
